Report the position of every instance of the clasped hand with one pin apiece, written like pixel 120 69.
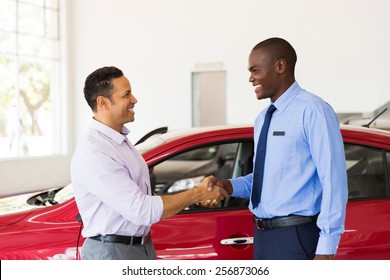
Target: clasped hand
pixel 213 192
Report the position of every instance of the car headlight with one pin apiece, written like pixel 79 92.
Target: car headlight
pixel 185 184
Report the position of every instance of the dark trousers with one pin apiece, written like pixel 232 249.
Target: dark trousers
pixel 286 243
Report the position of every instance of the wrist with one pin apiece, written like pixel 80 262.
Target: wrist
pixel 227 185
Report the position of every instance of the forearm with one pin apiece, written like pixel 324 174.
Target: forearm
pixel 173 204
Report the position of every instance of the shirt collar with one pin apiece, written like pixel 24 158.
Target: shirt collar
pixel 109 132
pixel 282 102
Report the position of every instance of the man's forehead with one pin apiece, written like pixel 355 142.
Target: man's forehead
pixel 260 52
pixel 121 82
pixel 257 56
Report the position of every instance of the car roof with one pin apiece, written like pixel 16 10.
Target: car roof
pixel 345 129
pixel 205 129
pixel 191 137
pixel 366 136
pixel 198 136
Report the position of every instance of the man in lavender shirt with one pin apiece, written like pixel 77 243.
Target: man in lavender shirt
pixel 111 179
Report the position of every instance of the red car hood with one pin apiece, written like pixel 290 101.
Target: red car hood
pixel 12 218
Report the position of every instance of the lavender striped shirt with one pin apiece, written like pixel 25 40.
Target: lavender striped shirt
pixel 112 185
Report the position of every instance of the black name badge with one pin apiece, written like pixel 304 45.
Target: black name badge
pixel 279 133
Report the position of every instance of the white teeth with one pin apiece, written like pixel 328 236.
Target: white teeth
pixel 131 110
pixel 258 87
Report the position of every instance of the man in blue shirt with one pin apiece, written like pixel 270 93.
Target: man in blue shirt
pixel 304 192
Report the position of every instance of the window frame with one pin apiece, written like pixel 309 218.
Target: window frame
pixel 51 60
pixel 39 173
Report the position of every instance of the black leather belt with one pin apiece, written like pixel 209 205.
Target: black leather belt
pixel 128 240
pixel 288 221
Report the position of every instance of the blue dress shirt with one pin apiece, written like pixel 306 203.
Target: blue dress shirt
pixel 305 169
pixel 111 184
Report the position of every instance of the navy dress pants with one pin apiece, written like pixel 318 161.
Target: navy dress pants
pixel 286 243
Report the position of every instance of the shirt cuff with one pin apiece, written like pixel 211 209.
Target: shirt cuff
pixel 158 209
pixel 327 245
pixel 239 189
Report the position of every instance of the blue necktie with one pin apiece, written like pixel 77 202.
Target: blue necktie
pixel 258 170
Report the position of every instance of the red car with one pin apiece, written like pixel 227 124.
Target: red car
pixel 47 227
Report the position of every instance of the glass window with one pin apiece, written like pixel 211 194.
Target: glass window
pixel 186 170
pixel 29 78
pixel 198 154
pixel 365 169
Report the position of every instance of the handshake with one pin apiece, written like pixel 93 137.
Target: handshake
pixel 213 190
pixel 207 194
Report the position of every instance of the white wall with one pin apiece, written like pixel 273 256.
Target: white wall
pixel 342 49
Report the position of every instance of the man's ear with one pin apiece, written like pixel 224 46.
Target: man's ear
pixel 281 66
pixel 102 103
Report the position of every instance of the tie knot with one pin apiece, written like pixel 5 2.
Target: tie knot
pixel 271 109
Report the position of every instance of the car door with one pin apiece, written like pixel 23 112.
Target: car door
pixel 367 227
pixel 224 232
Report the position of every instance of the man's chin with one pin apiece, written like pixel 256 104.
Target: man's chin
pixel 259 96
pixel 131 118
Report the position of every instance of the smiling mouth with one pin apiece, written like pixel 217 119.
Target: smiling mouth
pixel 131 110
pixel 258 87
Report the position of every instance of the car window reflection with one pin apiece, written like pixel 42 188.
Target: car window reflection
pixel 365 169
pixel 186 170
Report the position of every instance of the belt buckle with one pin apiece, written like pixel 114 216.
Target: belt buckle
pixel 260 224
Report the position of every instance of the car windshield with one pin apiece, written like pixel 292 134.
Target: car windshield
pixel 18 203
pixel 64 194
pixel 14 204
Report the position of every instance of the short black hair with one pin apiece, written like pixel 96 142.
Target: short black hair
pixel 279 48
pixel 99 83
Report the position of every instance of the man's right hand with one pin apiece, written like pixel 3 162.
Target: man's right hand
pixel 173 204
pixel 215 183
pixel 212 192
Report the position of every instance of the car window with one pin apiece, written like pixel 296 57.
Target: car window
pixel 198 154
pixel 365 169
pixel 388 170
pixel 188 169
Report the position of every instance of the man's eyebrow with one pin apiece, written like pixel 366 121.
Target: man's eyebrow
pixel 127 91
pixel 251 68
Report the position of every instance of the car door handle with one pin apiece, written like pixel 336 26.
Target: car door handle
pixel 237 241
